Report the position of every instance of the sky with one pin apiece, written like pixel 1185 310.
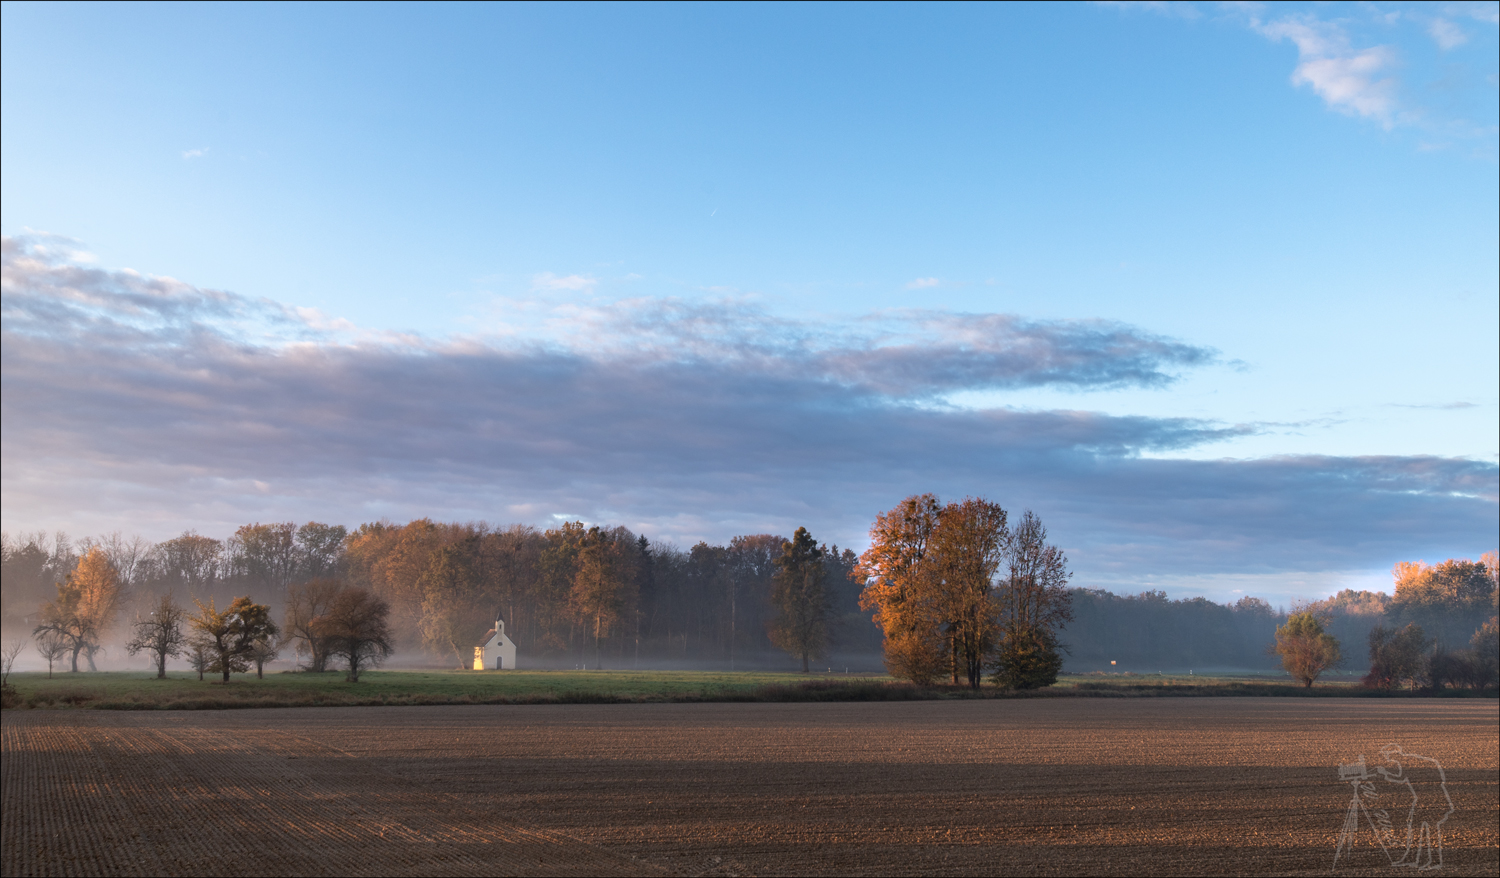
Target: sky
pixel 1212 288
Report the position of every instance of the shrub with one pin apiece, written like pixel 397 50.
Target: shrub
pixel 1028 659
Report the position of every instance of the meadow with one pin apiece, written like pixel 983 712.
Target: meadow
pixel 139 690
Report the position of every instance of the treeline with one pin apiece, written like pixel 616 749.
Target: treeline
pixel 1446 603
pixel 263 559
pixel 1149 632
pixel 568 594
pixel 707 605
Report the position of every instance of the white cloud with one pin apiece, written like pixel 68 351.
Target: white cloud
pixel 1348 80
pixel 922 283
pixel 195 153
pixel 316 319
pixel 1364 76
pixel 1447 34
pixel 1486 12
pixel 574 282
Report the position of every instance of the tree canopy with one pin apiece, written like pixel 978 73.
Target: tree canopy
pixel 356 628
pixel 1306 650
pixel 954 588
pixel 228 636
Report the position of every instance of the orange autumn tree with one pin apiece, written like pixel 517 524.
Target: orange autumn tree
pixel 894 571
pixel 85 607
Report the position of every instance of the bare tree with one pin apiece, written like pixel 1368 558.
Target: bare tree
pixel 52 647
pixel 262 650
pixel 1034 604
pixel 190 561
pixel 160 634
pixel 199 657
pixel 305 603
pixel 356 628
pixel 8 652
pixel 128 555
pixel 267 553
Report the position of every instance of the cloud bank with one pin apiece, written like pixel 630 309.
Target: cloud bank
pixel 149 404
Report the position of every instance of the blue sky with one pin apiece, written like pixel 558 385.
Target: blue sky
pixel 1210 287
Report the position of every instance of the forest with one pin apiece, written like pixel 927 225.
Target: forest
pixel 705 606
pixel 447 583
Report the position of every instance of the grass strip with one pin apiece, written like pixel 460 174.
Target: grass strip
pixel 140 691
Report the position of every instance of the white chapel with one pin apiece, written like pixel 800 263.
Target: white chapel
pixel 495 650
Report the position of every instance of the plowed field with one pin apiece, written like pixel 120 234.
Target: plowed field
pixel 1091 786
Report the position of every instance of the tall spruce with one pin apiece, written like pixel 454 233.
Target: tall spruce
pixel 804 612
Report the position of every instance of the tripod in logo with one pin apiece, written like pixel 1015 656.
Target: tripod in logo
pixel 1400 806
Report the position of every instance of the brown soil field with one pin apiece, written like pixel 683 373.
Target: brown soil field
pixel 1075 786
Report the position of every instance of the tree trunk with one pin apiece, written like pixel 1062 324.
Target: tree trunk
pixel 76 651
pixel 804 662
pixel 161 665
pixel 598 662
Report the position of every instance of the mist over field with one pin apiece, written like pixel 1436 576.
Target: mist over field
pixel 710 607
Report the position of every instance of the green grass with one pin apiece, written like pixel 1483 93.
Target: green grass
pixel 183 690
pixel 137 690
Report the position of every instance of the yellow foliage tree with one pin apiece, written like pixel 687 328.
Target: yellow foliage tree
pixel 85 606
pixel 894 572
